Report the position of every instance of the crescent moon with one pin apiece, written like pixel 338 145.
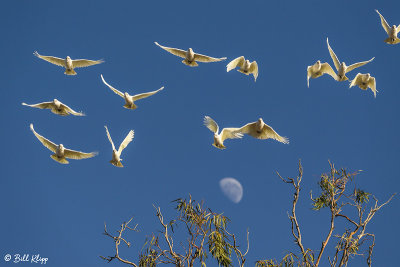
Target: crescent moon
pixel 232 189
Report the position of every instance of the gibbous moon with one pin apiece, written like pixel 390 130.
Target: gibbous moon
pixel 232 189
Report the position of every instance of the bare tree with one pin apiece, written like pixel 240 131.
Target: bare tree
pixel 206 231
pixel 335 197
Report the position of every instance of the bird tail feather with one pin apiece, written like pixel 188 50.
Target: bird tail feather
pixel 116 163
pixel 191 64
pixel 389 40
pixel 133 106
pixel 60 160
pixel 70 72
pixel 222 146
pixel 244 72
pixel 62 113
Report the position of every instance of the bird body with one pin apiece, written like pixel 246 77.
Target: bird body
pixel 130 99
pixel 190 57
pixel 57 104
pixel 341 67
pixel 69 67
pixel 319 69
pixel 60 152
pixel 116 155
pixel 68 63
pixel 259 126
pixel 116 160
pixel 220 137
pixel 364 81
pixel 57 107
pixel 392 32
pixel 244 65
pixel 59 155
pixel 218 142
pixel 393 39
pixel 342 72
pixel 261 130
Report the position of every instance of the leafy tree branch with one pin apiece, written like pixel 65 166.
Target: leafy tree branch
pixel 207 237
pixel 335 196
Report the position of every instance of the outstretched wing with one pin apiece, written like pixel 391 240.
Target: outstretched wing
pixel 144 95
pixel 71 111
pixel 126 141
pixel 72 154
pixel 46 142
pixel 237 62
pixel 109 138
pixel 249 128
pixel 54 60
pixel 356 80
pixel 372 85
pixel 211 124
pixel 269 132
pixel 333 56
pixel 112 88
pixel 230 133
pixel 175 51
pixel 81 63
pixel 309 73
pixel 42 105
pixel 205 59
pixel 266 133
pixel 326 68
pixel 254 69
pixel 384 23
pixel 357 65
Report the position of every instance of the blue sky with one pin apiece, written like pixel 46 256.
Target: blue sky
pixel 58 211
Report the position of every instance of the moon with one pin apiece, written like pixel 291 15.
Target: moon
pixel 232 189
